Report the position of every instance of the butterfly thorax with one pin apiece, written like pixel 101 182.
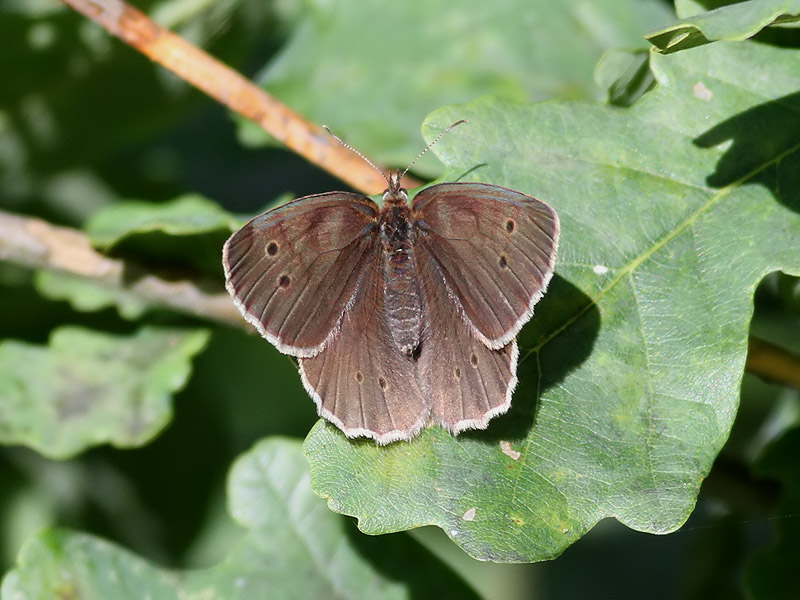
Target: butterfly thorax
pixel 401 295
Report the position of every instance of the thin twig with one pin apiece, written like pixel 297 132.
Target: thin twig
pixel 233 90
pixel 39 245
pixel 773 363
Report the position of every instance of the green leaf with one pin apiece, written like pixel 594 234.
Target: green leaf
pixel 86 388
pixel 672 211
pixel 690 8
pixel 734 22
pixel 294 548
pixel 388 64
pixel 85 295
pixel 625 74
pixel 187 215
pixel 186 231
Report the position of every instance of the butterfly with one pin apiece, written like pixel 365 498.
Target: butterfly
pixel 400 315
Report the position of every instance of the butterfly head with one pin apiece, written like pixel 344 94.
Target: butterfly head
pixel 395 192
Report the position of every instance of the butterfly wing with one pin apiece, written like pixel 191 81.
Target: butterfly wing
pixel 495 248
pixel 293 270
pixel 361 382
pixel 466 382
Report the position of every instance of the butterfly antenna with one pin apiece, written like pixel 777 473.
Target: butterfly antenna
pixel 438 137
pixel 354 151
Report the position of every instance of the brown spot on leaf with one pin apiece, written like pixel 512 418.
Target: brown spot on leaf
pixel 382 383
pixel 474 360
pixel 272 248
pixel 503 262
pixel 457 373
pixel 511 225
pixel 359 376
pixel 284 281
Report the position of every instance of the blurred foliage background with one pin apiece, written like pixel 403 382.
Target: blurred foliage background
pixel 87 122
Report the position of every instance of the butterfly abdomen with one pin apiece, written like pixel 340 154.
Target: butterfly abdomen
pixel 402 299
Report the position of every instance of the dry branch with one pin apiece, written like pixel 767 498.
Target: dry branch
pixel 233 90
pixel 39 245
pixel 773 363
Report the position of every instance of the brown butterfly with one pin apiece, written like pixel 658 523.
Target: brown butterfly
pixel 399 315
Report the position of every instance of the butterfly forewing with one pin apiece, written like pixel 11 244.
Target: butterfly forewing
pixel 361 382
pixel 495 248
pixel 465 381
pixel 292 271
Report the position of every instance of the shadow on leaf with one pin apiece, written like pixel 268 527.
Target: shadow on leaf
pixel 541 368
pixel 765 149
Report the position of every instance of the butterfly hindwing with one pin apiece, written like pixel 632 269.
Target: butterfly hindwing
pixel 362 382
pixel 466 382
